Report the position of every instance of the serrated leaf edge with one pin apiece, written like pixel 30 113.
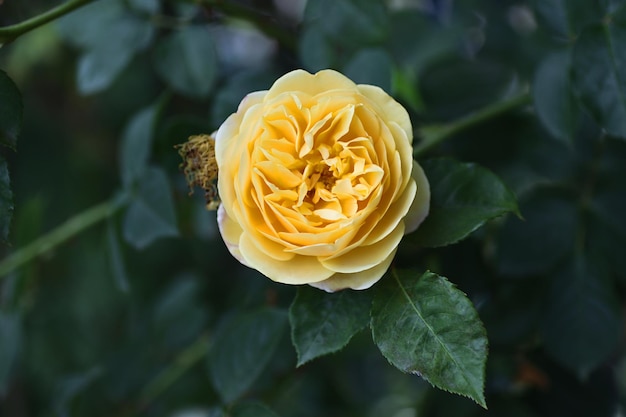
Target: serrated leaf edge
pixel 480 397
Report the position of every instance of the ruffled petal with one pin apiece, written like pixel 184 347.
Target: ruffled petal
pixel 365 257
pixel 392 110
pixel 393 216
pixel 357 281
pixel 299 270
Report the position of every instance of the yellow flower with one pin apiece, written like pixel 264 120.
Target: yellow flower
pixel 317 181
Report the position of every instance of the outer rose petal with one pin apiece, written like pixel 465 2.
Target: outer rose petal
pixel 299 270
pixel 312 84
pixel 421 205
pixel 231 232
pixel 365 257
pixel 358 281
pixel 393 111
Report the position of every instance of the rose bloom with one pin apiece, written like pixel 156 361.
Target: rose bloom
pixel 317 181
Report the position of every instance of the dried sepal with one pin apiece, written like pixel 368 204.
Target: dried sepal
pixel 200 167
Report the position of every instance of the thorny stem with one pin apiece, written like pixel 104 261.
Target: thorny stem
pixel 12 32
pixel 61 234
pixel 433 135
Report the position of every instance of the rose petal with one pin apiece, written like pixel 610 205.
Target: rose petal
pixel 357 281
pixel 299 270
pixel 392 110
pixel 365 257
pixel 393 216
pixel 230 232
pixel 421 205
pixel 311 84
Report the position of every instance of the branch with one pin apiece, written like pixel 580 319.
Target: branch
pixel 59 235
pixel 432 135
pixel 189 357
pixel 10 33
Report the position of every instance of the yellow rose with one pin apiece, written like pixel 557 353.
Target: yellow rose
pixel 317 181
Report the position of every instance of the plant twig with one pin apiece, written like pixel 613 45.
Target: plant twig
pixel 433 135
pixel 59 235
pixel 181 364
pixel 12 32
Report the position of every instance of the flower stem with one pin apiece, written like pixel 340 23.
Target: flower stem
pixel 433 135
pixel 181 364
pixel 59 235
pixel 10 33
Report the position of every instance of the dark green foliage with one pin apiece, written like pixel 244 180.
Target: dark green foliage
pixel 553 98
pixel 151 212
pixel 10 111
pixel 6 200
pixel 186 60
pixel 324 323
pixel 464 197
pixel 109 35
pixel 243 348
pixel 600 75
pixel 11 336
pixel 582 322
pixel 425 326
pixel 146 313
pixel 252 410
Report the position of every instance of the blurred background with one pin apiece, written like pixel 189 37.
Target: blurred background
pixel 123 319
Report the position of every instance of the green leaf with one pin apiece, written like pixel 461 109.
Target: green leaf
pixel 350 23
pixel 431 41
pixel 10 111
pixel 252 410
pixel 6 200
pixel 370 66
pixel 553 98
pixel 426 326
pixel 179 302
pixel 553 217
pixel 98 68
pixel 151 213
pixel 323 323
pixel 606 230
pixel 110 34
pixel 315 49
pixel 116 260
pixel 582 322
pixel 136 145
pixel 10 341
pixel 70 387
pixel 235 88
pixel 87 27
pixel 145 6
pixel 243 349
pixel 186 60
pixel 463 197
pixel 599 74
pixel 454 87
pixel 199 412
pixel 565 17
